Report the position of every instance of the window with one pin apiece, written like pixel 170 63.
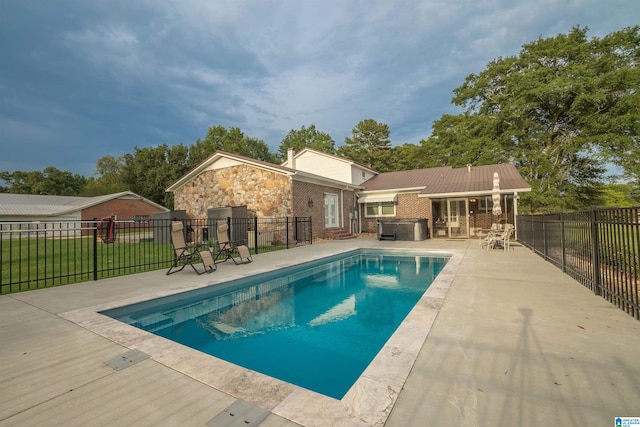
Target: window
pixel 141 218
pixel 484 204
pixel 380 209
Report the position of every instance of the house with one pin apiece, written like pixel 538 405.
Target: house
pixel 46 212
pixel 457 202
pixel 270 191
pixel 342 195
pixel 32 207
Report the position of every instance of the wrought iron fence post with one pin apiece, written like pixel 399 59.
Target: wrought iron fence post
pixel 287 222
pixel 595 251
pixel 562 244
pixel 95 249
pixel 255 233
pixel 544 238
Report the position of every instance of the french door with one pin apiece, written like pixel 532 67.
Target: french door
pixel 458 218
pixel 330 210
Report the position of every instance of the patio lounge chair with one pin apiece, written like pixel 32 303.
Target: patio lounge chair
pixel 188 254
pixel 500 238
pixel 228 248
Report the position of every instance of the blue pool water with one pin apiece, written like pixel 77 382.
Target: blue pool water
pixel 317 325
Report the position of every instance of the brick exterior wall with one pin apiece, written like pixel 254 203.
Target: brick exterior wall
pixel 412 206
pixel 303 191
pixel 409 206
pixel 122 208
pixel 265 193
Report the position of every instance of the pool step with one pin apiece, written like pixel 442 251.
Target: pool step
pixel 338 234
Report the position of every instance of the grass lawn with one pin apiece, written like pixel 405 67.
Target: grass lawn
pixel 35 263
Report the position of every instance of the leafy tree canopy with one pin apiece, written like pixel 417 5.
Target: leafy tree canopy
pixel 369 145
pixel 551 110
pixel 149 170
pixel 51 181
pixel 618 195
pixel 231 140
pixel 306 138
pixel 107 178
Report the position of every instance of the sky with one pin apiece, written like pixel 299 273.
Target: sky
pixel 82 79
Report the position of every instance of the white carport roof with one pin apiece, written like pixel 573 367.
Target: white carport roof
pixel 41 205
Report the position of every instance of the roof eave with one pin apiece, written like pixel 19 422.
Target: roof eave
pixel 220 154
pixel 317 178
pixel 393 190
pixel 474 193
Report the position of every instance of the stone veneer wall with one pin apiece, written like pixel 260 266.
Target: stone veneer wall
pixel 265 193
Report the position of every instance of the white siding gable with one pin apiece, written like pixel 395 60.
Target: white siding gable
pixel 327 166
pixel 223 162
pixel 358 175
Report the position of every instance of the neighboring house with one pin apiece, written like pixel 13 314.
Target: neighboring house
pixel 271 191
pixel 456 202
pixel 43 209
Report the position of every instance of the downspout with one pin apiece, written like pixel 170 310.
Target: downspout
pixel 515 213
pixel 341 208
pixel 357 210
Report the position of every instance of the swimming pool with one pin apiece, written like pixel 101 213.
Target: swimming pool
pixel 317 325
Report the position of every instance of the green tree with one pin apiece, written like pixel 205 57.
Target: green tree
pixel 107 178
pixel 306 138
pixel 51 181
pixel 550 111
pixel 369 145
pixel 618 195
pixel 612 107
pixel 150 170
pixel 409 156
pixel 231 140
pixel 458 140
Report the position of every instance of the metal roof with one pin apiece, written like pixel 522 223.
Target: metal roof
pixel 40 205
pixel 447 180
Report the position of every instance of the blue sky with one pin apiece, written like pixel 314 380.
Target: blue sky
pixel 83 79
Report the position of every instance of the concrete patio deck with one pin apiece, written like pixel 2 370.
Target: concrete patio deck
pixel 514 341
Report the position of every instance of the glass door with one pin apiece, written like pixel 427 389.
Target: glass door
pixel 458 218
pixel 330 210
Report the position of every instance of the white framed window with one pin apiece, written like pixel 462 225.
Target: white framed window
pixel 484 204
pixel 380 209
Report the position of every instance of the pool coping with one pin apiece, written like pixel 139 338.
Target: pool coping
pixel 368 402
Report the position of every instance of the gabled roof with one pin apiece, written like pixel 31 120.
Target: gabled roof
pixel 218 155
pixel 39 205
pixel 447 181
pixel 414 179
pixel 222 155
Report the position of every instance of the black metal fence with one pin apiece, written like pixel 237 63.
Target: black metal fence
pixel 599 248
pixel 41 254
